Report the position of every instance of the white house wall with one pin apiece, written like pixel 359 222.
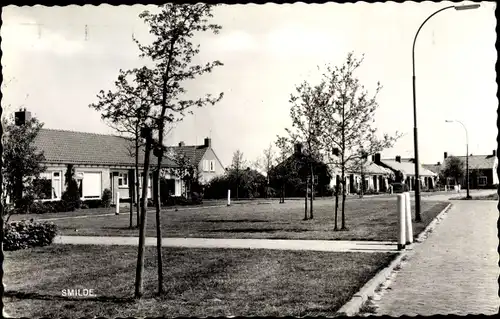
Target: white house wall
pixel 106 182
pixel 206 172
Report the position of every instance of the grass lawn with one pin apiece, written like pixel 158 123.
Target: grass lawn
pixel 126 209
pixel 198 282
pixel 366 219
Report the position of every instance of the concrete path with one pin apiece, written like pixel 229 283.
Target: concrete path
pixel 455 271
pixel 284 244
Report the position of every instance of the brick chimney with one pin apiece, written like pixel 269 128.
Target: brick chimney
pixel 377 158
pixel 494 153
pixel 445 155
pixel 181 143
pixel 297 149
pixel 373 158
pixel 22 117
pixel 208 142
pixel 398 159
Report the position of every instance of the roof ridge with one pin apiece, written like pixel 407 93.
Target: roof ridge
pixel 81 132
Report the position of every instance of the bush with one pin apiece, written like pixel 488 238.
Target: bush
pixel 69 202
pixel 92 203
pixel 27 234
pixel 106 198
pixel 42 208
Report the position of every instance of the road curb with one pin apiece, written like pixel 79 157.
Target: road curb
pixel 423 235
pixel 353 306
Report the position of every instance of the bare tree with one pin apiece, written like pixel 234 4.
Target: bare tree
pixel 172 53
pixel 238 166
pixel 268 161
pixel 306 127
pixel 347 120
pixel 265 163
pixel 127 110
pixel 285 146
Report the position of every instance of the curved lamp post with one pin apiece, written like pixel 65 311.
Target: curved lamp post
pixel 467 155
pixel 418 217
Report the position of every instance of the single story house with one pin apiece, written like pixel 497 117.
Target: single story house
pixel 482 170
pixel 377 177
pixel 404 172
pixel 108 162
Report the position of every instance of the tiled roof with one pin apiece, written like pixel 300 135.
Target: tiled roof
pixel 370 168
pixel 375 169
pixel 70 147
pixel 194 153
pixel 407 168
pixel 433 167
pixel 478 161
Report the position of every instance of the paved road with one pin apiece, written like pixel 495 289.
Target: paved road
pixel 455 271
pixel 317 245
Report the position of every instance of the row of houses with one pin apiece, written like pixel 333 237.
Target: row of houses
pixel 482 170
pixel 108 162
pixel 380 173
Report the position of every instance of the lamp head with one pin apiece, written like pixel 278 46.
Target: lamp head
pixel 467 7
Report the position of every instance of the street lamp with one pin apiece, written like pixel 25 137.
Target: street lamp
pixel 467 155
pixel 418 217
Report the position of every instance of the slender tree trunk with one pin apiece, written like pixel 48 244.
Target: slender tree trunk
pixel 336 202
pixel 131 190
pixel 137 178
pixel 311 216
pixel 305 197
pixel 157 200
pixel 343 168
pixel 142 227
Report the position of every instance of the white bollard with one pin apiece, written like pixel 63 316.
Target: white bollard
pixel 409 229
pixel 401 221
pixel 228 197
pixel 117 203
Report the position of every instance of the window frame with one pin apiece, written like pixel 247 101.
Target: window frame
pixel 479 178
pixel 123 177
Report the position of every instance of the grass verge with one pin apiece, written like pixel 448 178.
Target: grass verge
pixel 198 282
pixel 493 196
pixel 367 219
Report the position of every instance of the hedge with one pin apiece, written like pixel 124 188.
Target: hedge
pixel 26 234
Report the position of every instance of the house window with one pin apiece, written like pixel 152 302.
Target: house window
pixel 205 165
pixel 123 179
pixel 482 181
pixel 212 166
pixel 48 186
pixel 43 188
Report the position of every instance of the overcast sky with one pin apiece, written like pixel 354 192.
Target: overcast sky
pixel 58 59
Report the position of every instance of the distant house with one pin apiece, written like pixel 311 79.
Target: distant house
pixel 404 172
pixel 107 162
pixel 203 157
pixel 377 177
pixel 482 170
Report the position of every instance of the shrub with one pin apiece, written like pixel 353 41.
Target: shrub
pixel 92 203
pixel 26 234
pixel 42 208
pixel 106 198
pixel 72 194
